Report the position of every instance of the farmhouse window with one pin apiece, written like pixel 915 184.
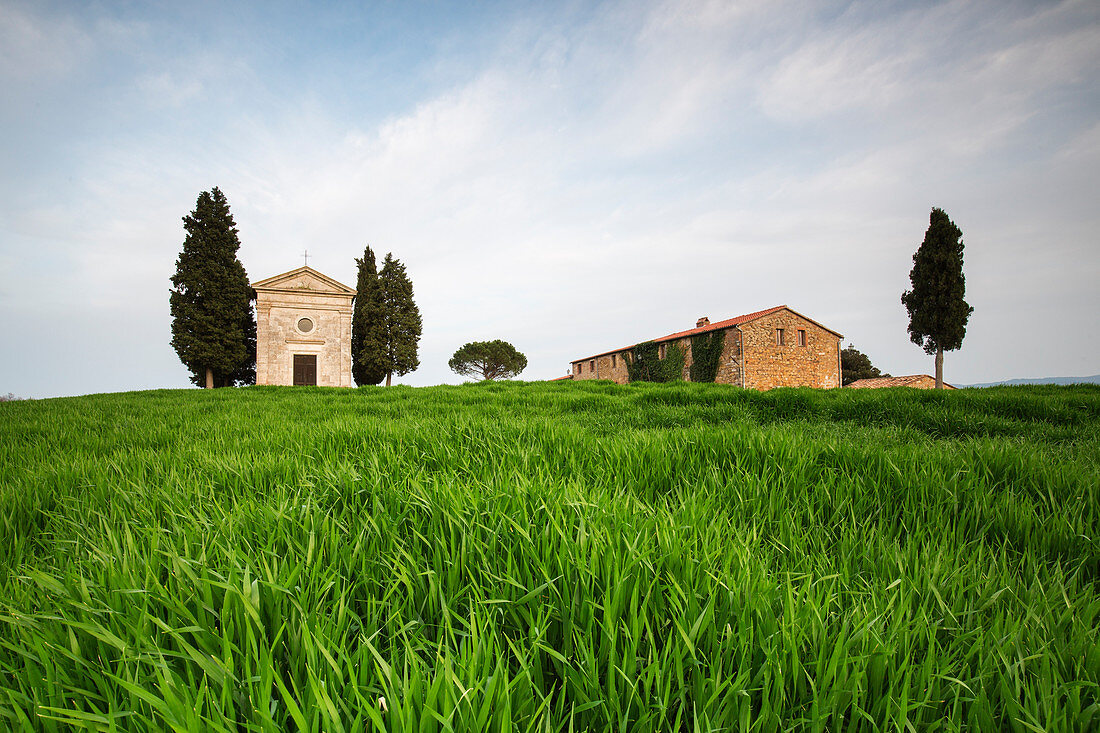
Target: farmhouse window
pixel 779 337
pixel 661 352
pixel 801 337
pixel 612 361
pixel 592 365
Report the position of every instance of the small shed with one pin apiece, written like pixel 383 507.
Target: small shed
pixel 916 381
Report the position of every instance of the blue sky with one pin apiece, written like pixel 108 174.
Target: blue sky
pixel 569 177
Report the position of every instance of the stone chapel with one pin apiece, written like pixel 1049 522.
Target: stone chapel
pixel 303 329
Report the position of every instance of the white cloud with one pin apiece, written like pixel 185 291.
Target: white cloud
pixel 34 48
pixel 961 76
pixel 863 70
pixel 594 185
pixel 164 88
pixel 39 47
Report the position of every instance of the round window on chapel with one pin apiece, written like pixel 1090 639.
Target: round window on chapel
pixel 305 325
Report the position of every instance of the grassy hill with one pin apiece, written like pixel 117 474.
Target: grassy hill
pixel 569 556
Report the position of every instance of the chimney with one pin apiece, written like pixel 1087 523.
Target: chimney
pixel 704 321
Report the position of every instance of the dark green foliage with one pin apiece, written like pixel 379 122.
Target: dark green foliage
pixel 490 359
pixel 937 309
pixel 641 361
pixel 854 365
pixel 401 320
pixel 368 350
pixel 644 363
pixel 213 326
pixel 706 352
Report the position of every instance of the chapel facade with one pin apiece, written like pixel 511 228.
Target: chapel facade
pixel 775 347
pixel 303 329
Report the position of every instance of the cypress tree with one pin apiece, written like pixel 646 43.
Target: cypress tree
pixel 401 320
pixel 213 326
pixel 937 310
pixel 367 326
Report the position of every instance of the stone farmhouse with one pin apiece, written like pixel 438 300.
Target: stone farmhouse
pixel 303 329
pixel 776 347
pixel 916 381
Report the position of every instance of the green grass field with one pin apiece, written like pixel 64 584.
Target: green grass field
pixel 551 557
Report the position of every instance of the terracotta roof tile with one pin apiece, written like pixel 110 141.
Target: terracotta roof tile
pixel 882 382
pixel 728 323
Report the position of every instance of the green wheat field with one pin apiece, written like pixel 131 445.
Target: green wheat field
pixel 551 557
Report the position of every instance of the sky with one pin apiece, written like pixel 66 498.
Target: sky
pixel 569 177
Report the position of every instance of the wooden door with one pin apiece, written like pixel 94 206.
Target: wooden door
pixel 305 370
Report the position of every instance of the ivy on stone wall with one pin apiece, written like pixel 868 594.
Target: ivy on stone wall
pixel 644 363
pixel 641 361
pixel 706 353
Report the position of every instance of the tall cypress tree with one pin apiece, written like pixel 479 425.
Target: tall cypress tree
pixel 367 326
pixel 401 320
pixel 213 326
pixel 937 310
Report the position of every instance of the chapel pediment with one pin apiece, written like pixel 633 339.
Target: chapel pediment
pixel 303 279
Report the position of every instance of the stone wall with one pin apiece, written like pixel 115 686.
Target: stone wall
pixel 609 366
pixel 768 365
pixel 752 347
pixel 729 367
pixel 729 363
pixel 925 381
pixel 916 381
pixel 614 369
pixel 278 338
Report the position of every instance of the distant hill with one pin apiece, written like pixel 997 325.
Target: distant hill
pixel 1094 379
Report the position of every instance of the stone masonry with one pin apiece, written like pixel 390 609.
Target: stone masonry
pixel 916 381
pixel 303 312
pixel 752 354
pixel 768 364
